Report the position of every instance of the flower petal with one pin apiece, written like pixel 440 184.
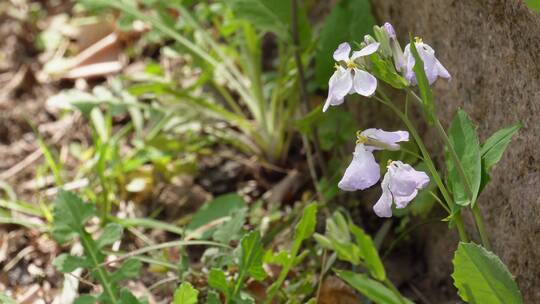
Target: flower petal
pixel 404 182
pixel 442 71
pixel 388 139
pixel 390 30
pixel 339 86
pixel 383 207
pixel 367 50
pixel 364 83
pixel 363 171
pixel 342 52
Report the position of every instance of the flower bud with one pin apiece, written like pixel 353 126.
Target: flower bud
pixel 382 36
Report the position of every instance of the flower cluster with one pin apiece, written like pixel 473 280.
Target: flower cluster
pixel 401 181
pixel 351 75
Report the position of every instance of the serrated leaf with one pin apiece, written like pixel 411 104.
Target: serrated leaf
pixel 185 294
pixel 70 214
pixel 372 289
pixel 129 269
pixel 111 233
pixel 218 281
pixel 251 256
pixel 369 253
pixel 348 21
pixel 67 263
pixel 480 274
pixel 464 140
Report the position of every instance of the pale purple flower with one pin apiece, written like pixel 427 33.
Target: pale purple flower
pixel 432 66
pixel 363 171
pixel 395 47
pixel 350 79
pixel 377 139
pixel 400 186
pixel 390 30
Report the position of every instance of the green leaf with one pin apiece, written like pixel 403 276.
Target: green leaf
pixel 464 140
pixel 111 233
pixel 212 298
pixel 70 214
pixel 185 294
pixel 231 229
pixel 220 207
pixel 218 281
pixel 6 300
pixel 349 21
pixel 251 256
pixel 480 274
pixel 129 269
pixel 369 253
pixel 86 299
pixel 428 103
pixel 126 297
pixel 305 228
pixel 347 252
pixel 494 147
pixel 385 70
pixel 372 289
pixel 271 16
pixel 533 4
pixel 67 263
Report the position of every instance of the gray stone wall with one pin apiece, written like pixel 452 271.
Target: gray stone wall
pixel 492 50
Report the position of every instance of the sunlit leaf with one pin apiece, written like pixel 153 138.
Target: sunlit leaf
pixel 185 294
pixel 481 277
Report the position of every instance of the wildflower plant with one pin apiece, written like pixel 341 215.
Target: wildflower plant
pixel 412 70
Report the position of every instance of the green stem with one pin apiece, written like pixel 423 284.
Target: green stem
pixel 429 163
pixel 480 226
pixel 475 210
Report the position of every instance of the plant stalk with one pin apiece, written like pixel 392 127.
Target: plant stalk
pixel 429 163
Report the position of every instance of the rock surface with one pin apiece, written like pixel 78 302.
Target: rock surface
pixel 492 50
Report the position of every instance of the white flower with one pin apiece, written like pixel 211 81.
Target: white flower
pixel 350 79
pixel 432 66
pixel 400 186
pixel 363 171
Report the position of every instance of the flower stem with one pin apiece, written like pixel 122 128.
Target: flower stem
pixel 480 226
pixel 430 165
pixel 475 210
